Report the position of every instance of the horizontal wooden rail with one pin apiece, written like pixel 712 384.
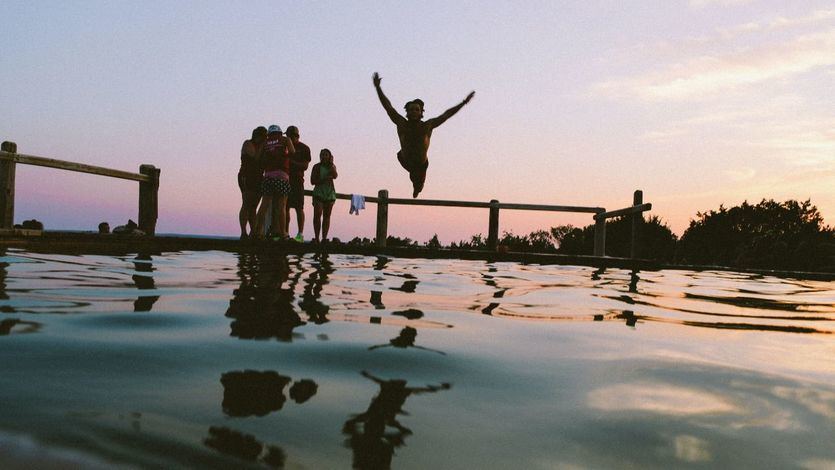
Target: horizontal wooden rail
pixel 548 208
pixel 72 166
pixel 625 211
pixel 473 204
pixel 148 178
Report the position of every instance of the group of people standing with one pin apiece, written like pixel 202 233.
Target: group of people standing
pixel 273 166
pixel 271 180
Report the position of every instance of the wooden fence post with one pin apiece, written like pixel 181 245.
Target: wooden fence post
pixel 382 217
pixel 600 236
pixel 148 199
pixel 637 221
pixel 493 228
pixel 7 172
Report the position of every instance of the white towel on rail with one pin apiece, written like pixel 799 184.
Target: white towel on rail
pixel 357 204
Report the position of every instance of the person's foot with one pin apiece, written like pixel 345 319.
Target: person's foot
pixel 299 238
pixel 418 188
pixel 244 237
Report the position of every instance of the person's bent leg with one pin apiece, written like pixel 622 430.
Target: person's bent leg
pixel 418 178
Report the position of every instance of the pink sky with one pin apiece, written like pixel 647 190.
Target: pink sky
pixel 697 103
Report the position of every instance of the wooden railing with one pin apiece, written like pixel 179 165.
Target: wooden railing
pixel 148 178
pixel 600 215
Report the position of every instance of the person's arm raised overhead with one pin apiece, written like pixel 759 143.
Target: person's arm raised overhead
pixel 437 121
pixel 393 115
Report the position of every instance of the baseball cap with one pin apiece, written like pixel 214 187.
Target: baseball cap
pixel 274 128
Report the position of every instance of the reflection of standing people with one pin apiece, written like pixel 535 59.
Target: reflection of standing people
pixel 324 193
pixel 317 312
pixel 414 134
pixel 298 164
pixel 275 160
pixel 261 307
pixel 249 180
pixel 373 446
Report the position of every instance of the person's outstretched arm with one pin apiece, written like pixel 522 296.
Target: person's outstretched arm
pixel 393 115
pixel 435 122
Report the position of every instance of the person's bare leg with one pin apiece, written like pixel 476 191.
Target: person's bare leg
pixel 317 220
pixel 326 219
pixel 252 200
pixel 282 215
pixel 300 219
pixel 243 214
pixel 266 204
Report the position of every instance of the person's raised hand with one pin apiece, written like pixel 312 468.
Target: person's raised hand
pixel 377 79
pixel 469 97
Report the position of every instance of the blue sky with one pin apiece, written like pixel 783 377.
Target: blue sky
pixel 698 103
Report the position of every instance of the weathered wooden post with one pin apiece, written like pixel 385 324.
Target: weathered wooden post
pixel 599 235
pixel 493 229
pixel 637 221
pixel 7 172
pixel 148 199
pixel 382 217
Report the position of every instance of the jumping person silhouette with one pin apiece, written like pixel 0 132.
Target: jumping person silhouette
pixel 414 133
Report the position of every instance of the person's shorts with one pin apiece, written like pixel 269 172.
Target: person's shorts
pixel 322 202
pixel 296 197
pixel 274 187
pixel 249 182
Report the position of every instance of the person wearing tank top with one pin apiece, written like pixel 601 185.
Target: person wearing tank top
pixel 275 161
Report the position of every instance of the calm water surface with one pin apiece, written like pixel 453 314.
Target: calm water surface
pixel 211 359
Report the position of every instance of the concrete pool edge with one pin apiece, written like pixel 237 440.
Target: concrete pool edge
pixel 95 243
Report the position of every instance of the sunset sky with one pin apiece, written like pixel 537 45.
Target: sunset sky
pixel 697 103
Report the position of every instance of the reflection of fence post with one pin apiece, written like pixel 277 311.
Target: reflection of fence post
pixel 637 221
pixel 493 229
pixel 599 236
pixel 7 171
pixel 148 199
pixel 382 217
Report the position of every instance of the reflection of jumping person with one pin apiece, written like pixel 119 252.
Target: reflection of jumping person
pixel 406 339
pixel 373 446
pixel 414 134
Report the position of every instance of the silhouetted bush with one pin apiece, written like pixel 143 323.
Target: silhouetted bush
pixel 773 235
pixel 656 241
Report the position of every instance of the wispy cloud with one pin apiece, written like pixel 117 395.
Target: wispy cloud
pixel 711 73
pixel 724 3
pixel 777 23
pixel 741 174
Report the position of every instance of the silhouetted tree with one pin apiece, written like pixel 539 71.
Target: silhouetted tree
pixel 656 240
pixel 770 234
